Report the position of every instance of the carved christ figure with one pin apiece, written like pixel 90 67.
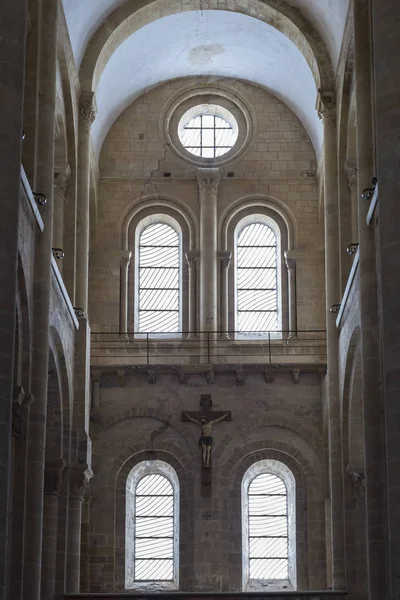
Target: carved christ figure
pixel 206 439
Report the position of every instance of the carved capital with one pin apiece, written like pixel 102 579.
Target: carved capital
pixel 357 485
pixel 208 180
pixel 326 104
pixel 53 478
pixel 79 484
pixel 290 262
pixel 191 258
pixel 61 181
pixel 350 168
pixel 87 108
pixel 225 259
pixel 125 260
pixel 20 399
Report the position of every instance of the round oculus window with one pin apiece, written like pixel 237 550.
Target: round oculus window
pixel 208 130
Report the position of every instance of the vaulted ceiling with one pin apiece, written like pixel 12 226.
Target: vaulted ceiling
pixel 181 42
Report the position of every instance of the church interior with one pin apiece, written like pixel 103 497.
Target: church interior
pixel 199 299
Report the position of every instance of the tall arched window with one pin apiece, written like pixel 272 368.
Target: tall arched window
pixel 257 306
pixel 152 526
pixel 159 281
pixel 269 547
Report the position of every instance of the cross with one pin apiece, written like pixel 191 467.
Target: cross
pixel 206 418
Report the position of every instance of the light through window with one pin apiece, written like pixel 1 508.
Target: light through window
pixel 159 281
pixel 256 272
pixel 208 131
pixel 154 529
pixel 268 528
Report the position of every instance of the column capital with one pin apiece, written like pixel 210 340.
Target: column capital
pixel 326 104
pixel 79 482
pixel 225 257
pixel 61 180
pixel 87 108
pixel 191 257
pixel 53 477
pixel 290 260
pixel 126 256
pixel 208 180
pixel 350 168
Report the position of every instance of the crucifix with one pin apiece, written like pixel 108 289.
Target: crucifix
pixel 206 418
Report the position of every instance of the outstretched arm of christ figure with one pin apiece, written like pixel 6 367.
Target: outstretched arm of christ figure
pixel 219 418
pixel 192 419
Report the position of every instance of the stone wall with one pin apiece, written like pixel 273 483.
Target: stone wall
pixel 137 169
pixel 139 420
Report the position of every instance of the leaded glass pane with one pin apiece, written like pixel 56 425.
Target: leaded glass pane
pixel 268 528
pixel 256 280
pixel 154 529
pixel 159 281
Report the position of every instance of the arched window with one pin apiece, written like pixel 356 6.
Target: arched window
pixel 269 547
pixel 159 279
pixel 152 526
pixel 257 278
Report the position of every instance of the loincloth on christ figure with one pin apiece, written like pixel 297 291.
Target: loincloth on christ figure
pixel 207 440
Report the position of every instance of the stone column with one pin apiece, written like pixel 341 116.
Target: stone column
pixel 350 168
pixel 208 180
pixel 60 188
pixel 96 378
pixel 41 307
pixel 225 261
pixel 12 50
pixel 79 482
pixel 291 269
pixel 125 262
pixel 192 257
pixel 327 111
pixel 385 27
pixel 52 489
pixel 87 112
pixel 370 344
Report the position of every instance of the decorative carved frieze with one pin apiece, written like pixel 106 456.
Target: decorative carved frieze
pixel 87 108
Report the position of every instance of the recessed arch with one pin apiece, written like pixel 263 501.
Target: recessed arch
pixel 156 204
pixel 285 28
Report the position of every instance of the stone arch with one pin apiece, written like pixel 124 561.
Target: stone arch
pixel 57 458
pixel 125 20
pixel 21 400
pixel 186 500
pixel 145 205
pixel 272 209
pixel 170 210
pixel 242 206
pixel 310 531
pixel 159 439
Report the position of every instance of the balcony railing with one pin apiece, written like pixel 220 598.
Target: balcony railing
pixel 211 347
pixel 293 595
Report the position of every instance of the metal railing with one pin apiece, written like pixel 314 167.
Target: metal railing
pixel 210 347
